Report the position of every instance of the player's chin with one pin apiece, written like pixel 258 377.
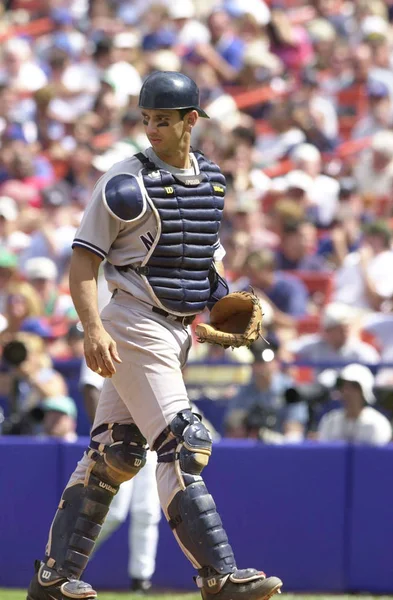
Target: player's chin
pixel 156 144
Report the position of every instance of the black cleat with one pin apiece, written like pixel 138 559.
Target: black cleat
pixel 140 586
pixel 48 585
pixel 245 584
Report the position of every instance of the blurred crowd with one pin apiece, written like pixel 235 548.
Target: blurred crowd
pixel 300 95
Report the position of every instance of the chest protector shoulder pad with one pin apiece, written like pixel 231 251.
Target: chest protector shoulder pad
pixel 123 198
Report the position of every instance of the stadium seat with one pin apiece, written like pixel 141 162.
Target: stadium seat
pixel 308 324
pixel 319 285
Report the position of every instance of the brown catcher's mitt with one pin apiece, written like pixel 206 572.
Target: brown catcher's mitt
pixel 235 320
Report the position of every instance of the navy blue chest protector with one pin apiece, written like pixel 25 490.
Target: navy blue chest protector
pixel 190 211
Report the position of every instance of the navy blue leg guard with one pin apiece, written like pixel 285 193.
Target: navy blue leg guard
pixel 84 506
pixel 192 512
pixel 194 518
pixel 195 521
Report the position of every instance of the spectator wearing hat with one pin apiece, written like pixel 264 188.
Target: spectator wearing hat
pixel 373 172
pixel 189 31
pixel 295 186
pixel 337 14
pixel 60 417
pixel 336 342
pixel 363 282
pixel 379 115
pixel 20 70
pixel 124 78
pixel 323 191
pixel 356 421
pixel 41 273
pixel 323 38
pixel 266 391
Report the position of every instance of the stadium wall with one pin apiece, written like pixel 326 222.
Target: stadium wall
pixel 317 515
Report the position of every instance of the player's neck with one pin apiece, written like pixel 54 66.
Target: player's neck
pixel 179 158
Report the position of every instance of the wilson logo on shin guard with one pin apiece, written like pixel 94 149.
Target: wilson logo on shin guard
pixel 108 487
pixel 45 574
pixel 137 462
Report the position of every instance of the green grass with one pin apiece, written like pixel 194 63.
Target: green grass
pixel 21 595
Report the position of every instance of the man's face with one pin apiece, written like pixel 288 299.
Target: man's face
pixel 351 395
pixel 42 285
pixel 164 129
pixel 336 336
pixel 58 424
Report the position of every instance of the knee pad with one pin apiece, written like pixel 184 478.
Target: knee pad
pixel 120 461
pixel 189 446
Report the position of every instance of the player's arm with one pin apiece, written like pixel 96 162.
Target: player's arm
pixel 220 268
pixel 100 348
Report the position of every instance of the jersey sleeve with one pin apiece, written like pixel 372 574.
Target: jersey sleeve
pixel 219 251
pixel 98 229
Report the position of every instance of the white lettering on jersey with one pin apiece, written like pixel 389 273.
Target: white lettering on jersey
pixel 147 239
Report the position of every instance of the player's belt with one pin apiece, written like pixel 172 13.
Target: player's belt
pixel 187 320
pixel 183 320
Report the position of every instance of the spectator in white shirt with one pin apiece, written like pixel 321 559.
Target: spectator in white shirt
pixel 374 171
pixel 379 115
pixel 19 69
pixel 189 31
pixel 364 280
pixel 324 192
pixel 356 422
pixel 336 342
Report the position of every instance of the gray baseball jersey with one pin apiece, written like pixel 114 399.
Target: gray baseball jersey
pixel 124 243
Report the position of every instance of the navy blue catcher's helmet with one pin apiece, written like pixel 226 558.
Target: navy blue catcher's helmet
pixel 170 90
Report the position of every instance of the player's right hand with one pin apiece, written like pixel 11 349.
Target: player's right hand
pixel 101 351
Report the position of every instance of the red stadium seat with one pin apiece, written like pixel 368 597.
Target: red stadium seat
pixel 308 324
pixel 319 285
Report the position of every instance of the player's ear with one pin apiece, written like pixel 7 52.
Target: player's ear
pixel 192 118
